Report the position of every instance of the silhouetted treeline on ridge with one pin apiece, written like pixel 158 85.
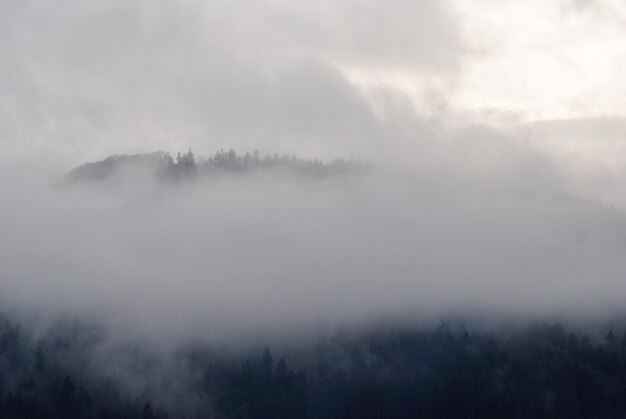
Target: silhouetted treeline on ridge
pixel 542 371
pixel 184 165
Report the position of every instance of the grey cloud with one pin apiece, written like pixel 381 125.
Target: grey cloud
pixel 409 34
pixel 600 10
pixel 455 218
pixel 86 79
pixel 582 5
pixel 492 228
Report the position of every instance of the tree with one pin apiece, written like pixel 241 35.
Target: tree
pixel 147 412
pixel 266 362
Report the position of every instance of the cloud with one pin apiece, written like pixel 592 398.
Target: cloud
pixel 457 217
pixel 86 79
pixel 490 226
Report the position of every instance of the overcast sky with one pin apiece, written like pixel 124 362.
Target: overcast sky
pixel 84 79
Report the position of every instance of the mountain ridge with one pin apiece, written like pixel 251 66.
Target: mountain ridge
pixel 163 165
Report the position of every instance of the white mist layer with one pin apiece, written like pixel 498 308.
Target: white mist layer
pixel 235 256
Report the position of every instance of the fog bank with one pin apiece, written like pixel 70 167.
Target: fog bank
pixel 245 254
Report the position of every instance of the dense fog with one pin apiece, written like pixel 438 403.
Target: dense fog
pixel 145 289
pixel 230 254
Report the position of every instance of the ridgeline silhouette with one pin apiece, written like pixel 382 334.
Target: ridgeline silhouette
pixel 164 166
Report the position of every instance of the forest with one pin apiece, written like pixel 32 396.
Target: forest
pixel 541 370
pixel 164 166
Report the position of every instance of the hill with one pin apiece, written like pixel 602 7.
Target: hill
pixel 164 166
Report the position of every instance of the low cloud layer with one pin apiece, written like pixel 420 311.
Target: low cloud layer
pixel 238 255
pixel 458 216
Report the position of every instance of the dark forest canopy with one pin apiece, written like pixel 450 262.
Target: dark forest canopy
pixel 448 371
pixel 163 165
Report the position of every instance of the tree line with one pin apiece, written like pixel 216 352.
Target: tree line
pixel 184 165
pixel 542 371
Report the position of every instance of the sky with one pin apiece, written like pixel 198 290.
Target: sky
pixel 84 79
pixel 546 60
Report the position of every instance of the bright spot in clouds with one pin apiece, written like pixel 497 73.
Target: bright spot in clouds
pixel 545 59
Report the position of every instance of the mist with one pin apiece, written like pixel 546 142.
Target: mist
pixel 228 255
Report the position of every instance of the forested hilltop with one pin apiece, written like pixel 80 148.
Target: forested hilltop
pixel 163 165
pixel 449 371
